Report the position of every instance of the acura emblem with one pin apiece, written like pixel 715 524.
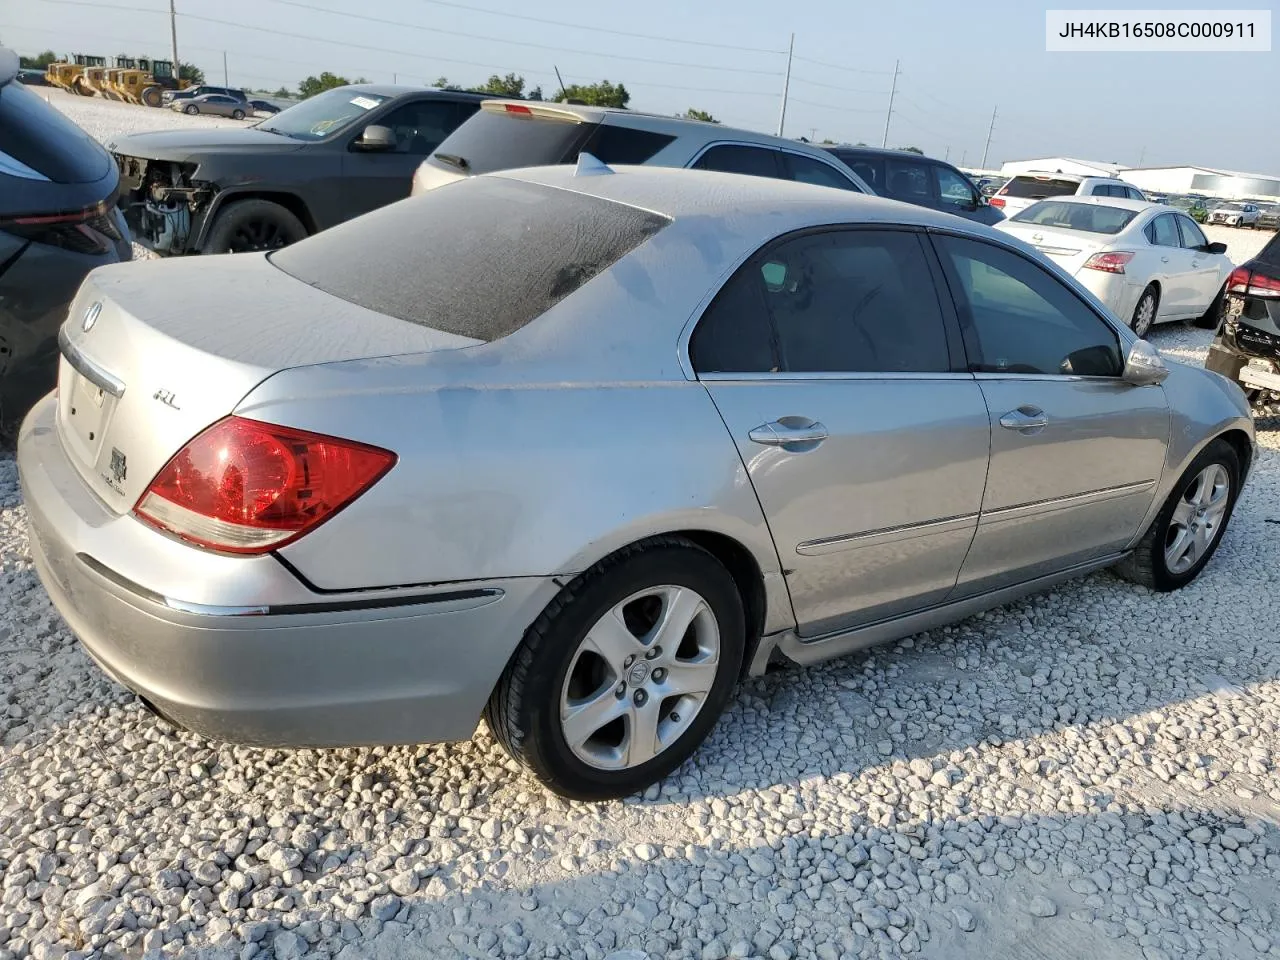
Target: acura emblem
pixel 91 316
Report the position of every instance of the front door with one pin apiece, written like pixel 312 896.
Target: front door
pixel 1206 268
pixel 1177 288
pixel 1076 452
pixel 374 179
pixel 829 359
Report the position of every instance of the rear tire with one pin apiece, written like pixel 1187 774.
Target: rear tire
pixel 624 719
pixel 237 114
pixel 1144 314
pixel 1160 561
pixel 1210 318
pixel 249 226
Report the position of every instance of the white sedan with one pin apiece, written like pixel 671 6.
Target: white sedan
pixel 1145 262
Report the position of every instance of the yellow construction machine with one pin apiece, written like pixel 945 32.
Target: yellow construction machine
pixel 70 74
pixel 138 80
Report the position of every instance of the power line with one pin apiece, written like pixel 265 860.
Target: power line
pixel 617 33
pixel 828 106
pixel 365 18
pixel 836 86
pixel 836 66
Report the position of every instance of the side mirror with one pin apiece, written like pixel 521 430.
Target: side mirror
pixel 1144 366
pixel 1217 247
pixel 375 138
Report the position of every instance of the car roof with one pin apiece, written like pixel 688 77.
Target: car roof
pixel 772 205
pixel 401 89
pixel 838 148
pixel 663 123
pixel 1124 203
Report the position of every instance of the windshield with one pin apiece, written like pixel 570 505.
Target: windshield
pixel 1087 217
pixel 1232 206
pixel 323 114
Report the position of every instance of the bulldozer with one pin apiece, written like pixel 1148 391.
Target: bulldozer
pixel 70 74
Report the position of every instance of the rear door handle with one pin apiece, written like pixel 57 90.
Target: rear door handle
pixel 788 431
pixel 1026 420
pixel 1164 259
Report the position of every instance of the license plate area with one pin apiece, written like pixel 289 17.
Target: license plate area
pixel 85 410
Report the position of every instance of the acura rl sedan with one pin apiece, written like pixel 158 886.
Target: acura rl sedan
pixel 575 449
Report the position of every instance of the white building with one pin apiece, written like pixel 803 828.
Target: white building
pixel 1086 168
pixel 1207 181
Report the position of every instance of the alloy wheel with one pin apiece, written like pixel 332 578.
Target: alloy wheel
pixel 1197 519
pixel 640 677
pixel 1144 314
pixel 258 235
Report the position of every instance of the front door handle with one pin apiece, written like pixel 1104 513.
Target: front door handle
pixel 1026 420
pixel 1164 259
pixel 791 433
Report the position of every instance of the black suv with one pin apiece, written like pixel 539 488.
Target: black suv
pixel 58 220
pixel 906 176
pixel 1247 346
pixel 327 159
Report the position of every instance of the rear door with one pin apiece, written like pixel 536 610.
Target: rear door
pixel 1076 452
pixel 833 363
pixel 373 179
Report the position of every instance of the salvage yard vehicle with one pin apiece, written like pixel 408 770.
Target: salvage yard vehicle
pixel 1269 217
pixel 58 221
pixel 1145 262
pixel 1247 346
pixel 506 134
pixel 462 456
pixel 1235 215
pixel 1028 188
pixel 917 179
pixel 322 161
pixel 214 104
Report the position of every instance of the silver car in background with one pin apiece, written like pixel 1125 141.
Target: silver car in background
pixel 578 449
pixel 214 104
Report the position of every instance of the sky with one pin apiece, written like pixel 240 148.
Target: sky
pixel 958 62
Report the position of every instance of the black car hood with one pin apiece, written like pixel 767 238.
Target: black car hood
pixel 192 144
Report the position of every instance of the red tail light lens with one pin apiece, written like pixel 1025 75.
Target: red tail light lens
pixel 1245 281
pixel 516 108
pixel 996 201
pixel 1108 262
pixel 248 487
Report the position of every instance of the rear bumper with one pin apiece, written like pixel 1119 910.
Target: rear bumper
pixel 263 660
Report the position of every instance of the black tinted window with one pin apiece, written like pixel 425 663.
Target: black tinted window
pixel 504 141
pixel 420 126
pixel 752 161
pixel 1037 188
pixel 1020 319
pixel 953 189
pixel 869 168
pixel 610 144
pixel 1271 252
pixel 39 137
pixel 807 170
pixel 481 257
pixel 1191 235
pixel 856 301
pixel 909 182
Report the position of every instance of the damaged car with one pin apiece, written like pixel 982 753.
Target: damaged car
pixel 1246 348
pixel 325 160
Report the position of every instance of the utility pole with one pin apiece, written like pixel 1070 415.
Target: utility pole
pixel 225 82
pixel 173 32
pixel 786 85
pixel 1142 156
pixel 564 93
pixel 892 90
pixel 989 131
pixel 947 155
pixel 395 78
pixel 963 154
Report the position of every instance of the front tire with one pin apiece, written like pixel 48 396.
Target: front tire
pixel 1144 314
pixel 191 109
pixel 237 114
pixel 1190 525
pixel 625 673
pixel 249 226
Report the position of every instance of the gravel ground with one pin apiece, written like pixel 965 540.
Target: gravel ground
pixel 1091 772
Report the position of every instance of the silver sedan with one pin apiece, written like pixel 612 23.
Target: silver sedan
pixel 575 450
pixel 215 104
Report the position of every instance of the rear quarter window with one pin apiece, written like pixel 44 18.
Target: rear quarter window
pixel 40 137
pixel 613 144
pixel 479 258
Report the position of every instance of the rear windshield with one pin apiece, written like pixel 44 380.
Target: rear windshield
pixel 40 138
pixel 1037 189
pixel 1091 218
pixel 479 258
pixel 504 141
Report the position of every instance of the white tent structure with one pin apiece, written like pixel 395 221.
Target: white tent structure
pixel 1085 168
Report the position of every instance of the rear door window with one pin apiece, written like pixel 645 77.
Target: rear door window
pixel 1039 188
pixel 508 140
pixel 808 170
pixel 730 158
pixel 481 259
pixel 616 144
pixel 42 139
pixel 869 168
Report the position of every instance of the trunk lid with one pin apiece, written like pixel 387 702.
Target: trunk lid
pixel 154 353
pixel 1069 249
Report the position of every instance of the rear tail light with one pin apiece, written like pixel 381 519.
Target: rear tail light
pixel 90 230
pixel 1245 282
pixel 996 201
pixel 243 486
pixel 516 108
pixel 1109 262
